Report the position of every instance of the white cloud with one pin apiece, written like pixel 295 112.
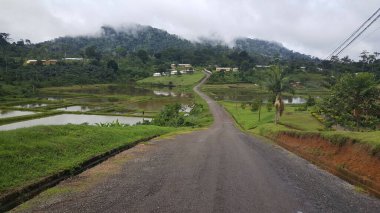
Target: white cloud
pixel 313 27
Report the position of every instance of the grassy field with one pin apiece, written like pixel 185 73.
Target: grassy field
pixel 245 117
pixel 298 123
pixel 30 154
pixel 177 80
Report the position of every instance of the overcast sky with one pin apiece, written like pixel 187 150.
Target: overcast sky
pixel 312 27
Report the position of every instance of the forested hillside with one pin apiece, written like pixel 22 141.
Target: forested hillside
pixel 131 53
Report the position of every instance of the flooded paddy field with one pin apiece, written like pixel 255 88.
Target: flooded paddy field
pixel 251 92
pixel 72 119
pixel 113 100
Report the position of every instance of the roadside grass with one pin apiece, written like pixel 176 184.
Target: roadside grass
pixel 245 117
pixel 298 124
pixel 177 80
pixel 301 120
pixel 368 138
pixel 30 154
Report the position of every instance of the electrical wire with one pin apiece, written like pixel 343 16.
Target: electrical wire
pixel 354 33
pixel 358 35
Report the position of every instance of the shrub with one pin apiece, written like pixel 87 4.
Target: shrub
pixel 269 106
pixel 243 105
pixel 310 101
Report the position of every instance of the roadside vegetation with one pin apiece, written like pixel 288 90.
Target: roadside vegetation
pixel 30 154
pixel 317 119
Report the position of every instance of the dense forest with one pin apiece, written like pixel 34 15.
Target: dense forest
pixel 131 53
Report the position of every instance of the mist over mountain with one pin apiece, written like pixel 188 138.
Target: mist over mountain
pixel 130 38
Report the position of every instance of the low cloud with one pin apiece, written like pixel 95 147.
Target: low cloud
pixel 312 27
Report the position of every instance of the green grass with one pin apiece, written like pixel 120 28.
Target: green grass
pixel 367 138
pixel 177 80
pixel 300 120
pixel 298 124
pixel 245 117
pixel 30 154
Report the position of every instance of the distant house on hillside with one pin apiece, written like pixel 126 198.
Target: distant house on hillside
pixel 185 66
pixel 43 62
pixel 72 59
pixel 224 69
pixel 157 74
pixel 49 62
pixel 31 62
pixel 263 66
pixel 227 69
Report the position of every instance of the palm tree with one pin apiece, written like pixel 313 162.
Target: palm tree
pixel 277 84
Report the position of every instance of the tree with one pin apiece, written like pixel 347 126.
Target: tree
pixel 4 37
pixel 113 65
pixel 143 55
pixel 91 52
pixel 353 102
pixel 277 83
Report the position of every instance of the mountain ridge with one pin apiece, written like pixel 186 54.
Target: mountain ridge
pixel 130 38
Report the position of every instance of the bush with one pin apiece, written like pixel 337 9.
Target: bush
pixel 243 105
pixel 301 108
pixel 310 101
pixel 269 106
pixel 255 106
pixel 170 116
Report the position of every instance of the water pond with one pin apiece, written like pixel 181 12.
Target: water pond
pixel 77 108
pixel 35 105
pixel 247 95
pixel 72 119
pixel 13 113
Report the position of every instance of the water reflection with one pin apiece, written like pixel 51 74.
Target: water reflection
pixel 172 94
pixel 13 113
pixel 77 108
pixel 35 105
pixel 248 96
pixel 72 119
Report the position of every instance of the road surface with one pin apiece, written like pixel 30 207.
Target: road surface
pixel 220 169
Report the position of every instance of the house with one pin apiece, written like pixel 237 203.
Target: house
pixel 43 62
pixel 225 69
pixel 183 71
pixel 73 60
pixel 31 62
pixel 157 74
pixel 235 69
pixel 263 66
pixel 174 72
pixel 49 62
pixel 185 66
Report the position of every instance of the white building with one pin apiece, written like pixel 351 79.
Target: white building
pixel 157 74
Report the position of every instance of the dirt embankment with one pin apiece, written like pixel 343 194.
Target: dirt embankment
pixel 351 161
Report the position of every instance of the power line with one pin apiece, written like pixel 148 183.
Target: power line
pixel 354 33
pixel 367 35
pixel 358 35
